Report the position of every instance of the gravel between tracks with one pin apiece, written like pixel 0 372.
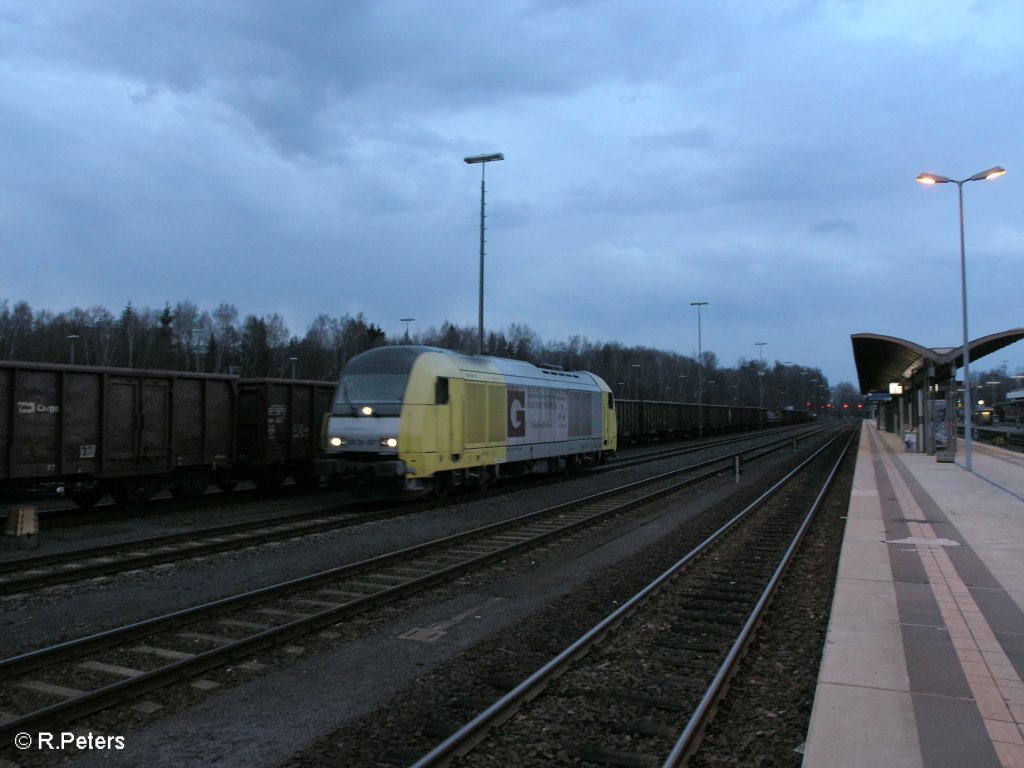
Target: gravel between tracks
pixel 761 724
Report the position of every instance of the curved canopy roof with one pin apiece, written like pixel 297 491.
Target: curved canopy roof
pixel 881 360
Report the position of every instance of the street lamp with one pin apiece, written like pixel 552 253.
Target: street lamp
pixel 994 384
pixel 406 320
pixel 482 160
pixel 932 178
pixel 72 337
pixel 760 372
pixel 636 380
pixel 787 363
pixel 293 360
pixel 700 367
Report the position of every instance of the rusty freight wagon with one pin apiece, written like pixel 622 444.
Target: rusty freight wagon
pixel 278 429
pixel 646 421
pixel 129 433
pixel 112 430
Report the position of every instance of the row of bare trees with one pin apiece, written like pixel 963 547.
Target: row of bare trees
pixel 185 337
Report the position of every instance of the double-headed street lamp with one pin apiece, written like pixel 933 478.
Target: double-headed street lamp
pixel 933 178
pixel 482 160
pixel 700 367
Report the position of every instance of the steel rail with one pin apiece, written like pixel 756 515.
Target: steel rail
pixel 689 739
pixel 468 736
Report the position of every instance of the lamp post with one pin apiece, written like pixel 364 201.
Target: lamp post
pixel 700 368
pixel 72 337
pixel 932 178
pixel 293 361
pixel 994 384
pixel 406 320
pixel 787 363
pixel 483 160
pixel 760 372
pixel 636 380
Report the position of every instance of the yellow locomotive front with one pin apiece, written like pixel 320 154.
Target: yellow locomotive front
pixel 409 419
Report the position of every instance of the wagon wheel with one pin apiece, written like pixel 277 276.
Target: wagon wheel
pixel 442 486
pixel 270 479
pixel 189 487
pixel 305 477
pixel 86 498
pixel 483 481
pixel 127 492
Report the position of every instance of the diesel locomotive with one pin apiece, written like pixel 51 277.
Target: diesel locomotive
pixel 421 420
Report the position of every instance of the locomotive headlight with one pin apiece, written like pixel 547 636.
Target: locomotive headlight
pixel 389 442
pixel 337 442
pixel 367 410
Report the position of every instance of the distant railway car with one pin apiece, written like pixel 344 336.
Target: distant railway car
pixel 421 419
pixel 644 420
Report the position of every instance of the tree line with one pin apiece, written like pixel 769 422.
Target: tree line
pixel 184 337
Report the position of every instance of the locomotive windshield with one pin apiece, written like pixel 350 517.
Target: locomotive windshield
pixel 376 379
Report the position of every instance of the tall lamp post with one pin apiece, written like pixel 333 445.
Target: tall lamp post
pixel 700 368
pixel 406 320
pixel 933 178
pixel 760 372
pixel 72 337
pixel 482 160
pixel 787 363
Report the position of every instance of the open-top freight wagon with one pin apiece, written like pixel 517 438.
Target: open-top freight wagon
pixel 641 421
pixel 130 433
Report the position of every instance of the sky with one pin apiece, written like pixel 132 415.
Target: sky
pixel 306 158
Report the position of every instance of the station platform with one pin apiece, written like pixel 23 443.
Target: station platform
pixel 924 658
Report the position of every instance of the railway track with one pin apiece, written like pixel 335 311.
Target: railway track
pixel 58 684
pixel 35 572
pixel 639 688
pixel 47 570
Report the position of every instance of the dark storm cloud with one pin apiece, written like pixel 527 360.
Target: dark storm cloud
pixel 756 157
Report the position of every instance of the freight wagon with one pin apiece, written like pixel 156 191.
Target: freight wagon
pixel 130 433
pixel 645 421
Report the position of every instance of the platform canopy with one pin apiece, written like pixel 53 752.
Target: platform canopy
pixel 882 360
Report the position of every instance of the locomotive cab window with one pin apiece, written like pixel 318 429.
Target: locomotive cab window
pixel 441 391
pixel 377 380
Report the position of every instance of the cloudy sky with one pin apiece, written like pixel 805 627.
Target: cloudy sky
pixel 306 157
